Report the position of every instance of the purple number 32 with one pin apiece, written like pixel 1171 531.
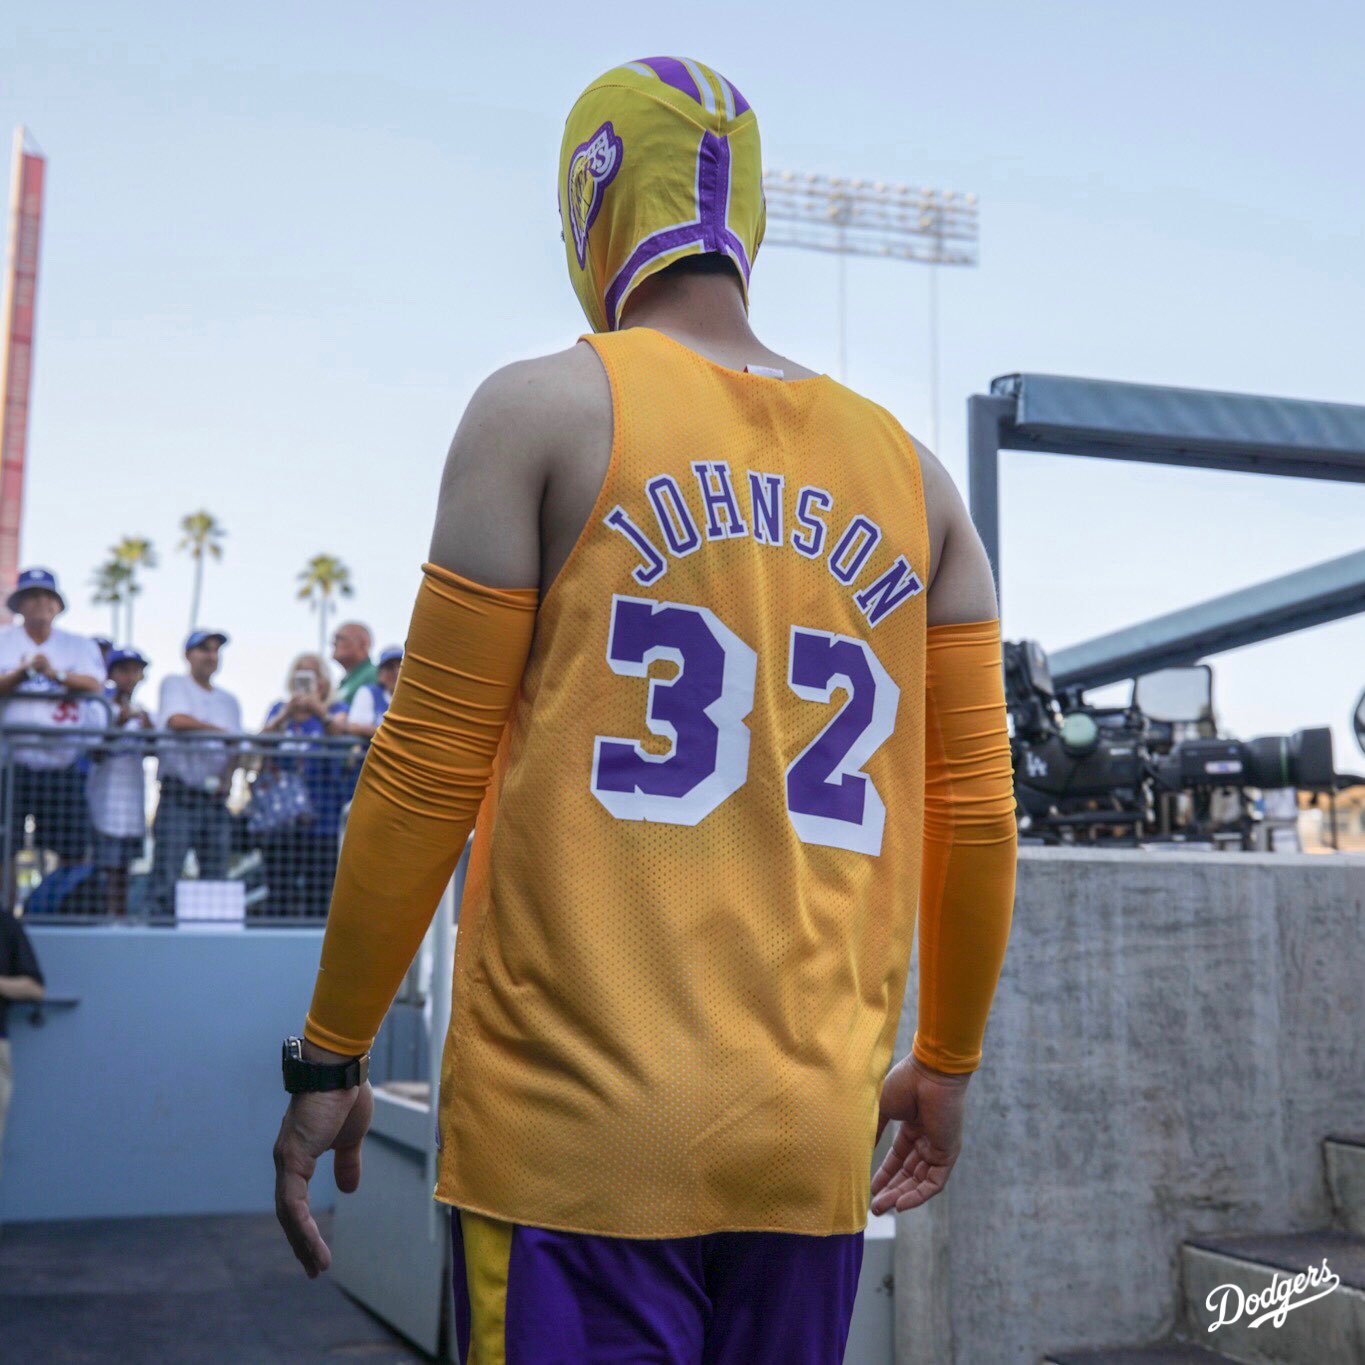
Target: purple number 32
pixel 702 712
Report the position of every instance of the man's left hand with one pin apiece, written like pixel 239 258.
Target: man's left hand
pixel 930 1105
pixel 333 1120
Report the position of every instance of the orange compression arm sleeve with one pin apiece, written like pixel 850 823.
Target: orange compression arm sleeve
pixel 967 891
pixel 419 791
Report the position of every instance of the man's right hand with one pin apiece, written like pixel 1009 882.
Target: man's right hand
pixel 333 1120
pixel 930 1106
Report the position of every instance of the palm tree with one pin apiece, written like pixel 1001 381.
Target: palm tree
pixel 324 577
pixel 110 581
pixel 202 536
pixel 135 552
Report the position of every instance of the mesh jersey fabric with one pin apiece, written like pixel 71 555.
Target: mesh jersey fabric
pixel 679 966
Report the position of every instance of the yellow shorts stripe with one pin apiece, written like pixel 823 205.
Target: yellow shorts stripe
pixel 487 1251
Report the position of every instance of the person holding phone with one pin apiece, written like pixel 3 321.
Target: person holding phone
pixel 300 853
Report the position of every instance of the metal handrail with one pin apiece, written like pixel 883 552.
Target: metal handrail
pixel 65 694
pixel 37 1008
pixel 151 734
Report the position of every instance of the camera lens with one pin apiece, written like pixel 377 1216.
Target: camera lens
pixel 1303 759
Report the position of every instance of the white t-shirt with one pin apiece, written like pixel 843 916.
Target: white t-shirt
pixel 195 759
pixel 66 652
pixel 362 708
pixel 115 788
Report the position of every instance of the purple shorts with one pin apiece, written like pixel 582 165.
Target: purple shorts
pixel 532 1296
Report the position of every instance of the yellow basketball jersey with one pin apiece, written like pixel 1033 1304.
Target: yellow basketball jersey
pixel 691 899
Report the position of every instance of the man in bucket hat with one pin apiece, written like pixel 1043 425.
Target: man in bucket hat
pixel 44 674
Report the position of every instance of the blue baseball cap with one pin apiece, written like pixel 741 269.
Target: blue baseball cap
pixel 30 580
pixel 201 637
pixel 392 655
pixel 125 656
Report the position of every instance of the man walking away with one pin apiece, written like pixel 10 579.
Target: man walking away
pixel 195 770
pixel 708 643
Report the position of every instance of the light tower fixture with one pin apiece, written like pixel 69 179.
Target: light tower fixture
pixel 854 217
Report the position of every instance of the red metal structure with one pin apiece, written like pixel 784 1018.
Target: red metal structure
pixel 16 369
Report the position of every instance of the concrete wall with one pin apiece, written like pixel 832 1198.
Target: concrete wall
pixel 1173 1036
pixel 160 1092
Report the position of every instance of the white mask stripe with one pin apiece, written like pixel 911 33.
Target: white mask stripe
pixel 708 96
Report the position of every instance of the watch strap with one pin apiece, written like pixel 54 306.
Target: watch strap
pixel 305 1077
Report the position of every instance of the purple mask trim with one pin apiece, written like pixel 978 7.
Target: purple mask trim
pixel 673 72
pixel 713 160
pixel 741 104
pixel 601 156
pixel 709 229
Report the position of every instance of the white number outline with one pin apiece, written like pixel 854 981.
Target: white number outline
pixel 829 832
pixel 727 713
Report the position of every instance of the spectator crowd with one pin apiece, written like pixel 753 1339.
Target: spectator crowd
pixel 265 808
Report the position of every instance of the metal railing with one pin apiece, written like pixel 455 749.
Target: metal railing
pixel 102 823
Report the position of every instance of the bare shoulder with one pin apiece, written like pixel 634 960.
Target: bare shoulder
pixel 516 431
pixel 537 401
pixel 961 585
pixel 942 501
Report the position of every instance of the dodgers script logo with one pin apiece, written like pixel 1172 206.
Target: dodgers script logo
pixel 591 169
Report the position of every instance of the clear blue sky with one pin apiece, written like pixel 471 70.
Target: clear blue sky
pixel 284 243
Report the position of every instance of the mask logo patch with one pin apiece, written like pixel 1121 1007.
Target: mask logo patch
pixel 592 168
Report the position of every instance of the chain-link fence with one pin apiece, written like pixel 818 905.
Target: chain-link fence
pixel 99 823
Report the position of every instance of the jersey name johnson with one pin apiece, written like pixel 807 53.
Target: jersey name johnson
pixel 846 554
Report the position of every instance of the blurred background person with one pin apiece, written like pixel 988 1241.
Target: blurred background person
pixel 298 796
pixel 195 771
pixel 117 787
pixel 362 718
pixel 351 645
pixel 43 673
pixel 370 701
pixel 20 979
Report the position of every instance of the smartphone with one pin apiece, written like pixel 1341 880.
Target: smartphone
pixel 305 682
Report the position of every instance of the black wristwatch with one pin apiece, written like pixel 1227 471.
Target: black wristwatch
pixel 301 1076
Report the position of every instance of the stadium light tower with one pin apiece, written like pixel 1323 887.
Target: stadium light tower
pixel 851 217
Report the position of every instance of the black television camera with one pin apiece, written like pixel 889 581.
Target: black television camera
pixel 1155 770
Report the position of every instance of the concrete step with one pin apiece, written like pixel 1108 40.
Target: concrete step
pixel 1329 1330
pixel 1159 1353
pixel 1344 1156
